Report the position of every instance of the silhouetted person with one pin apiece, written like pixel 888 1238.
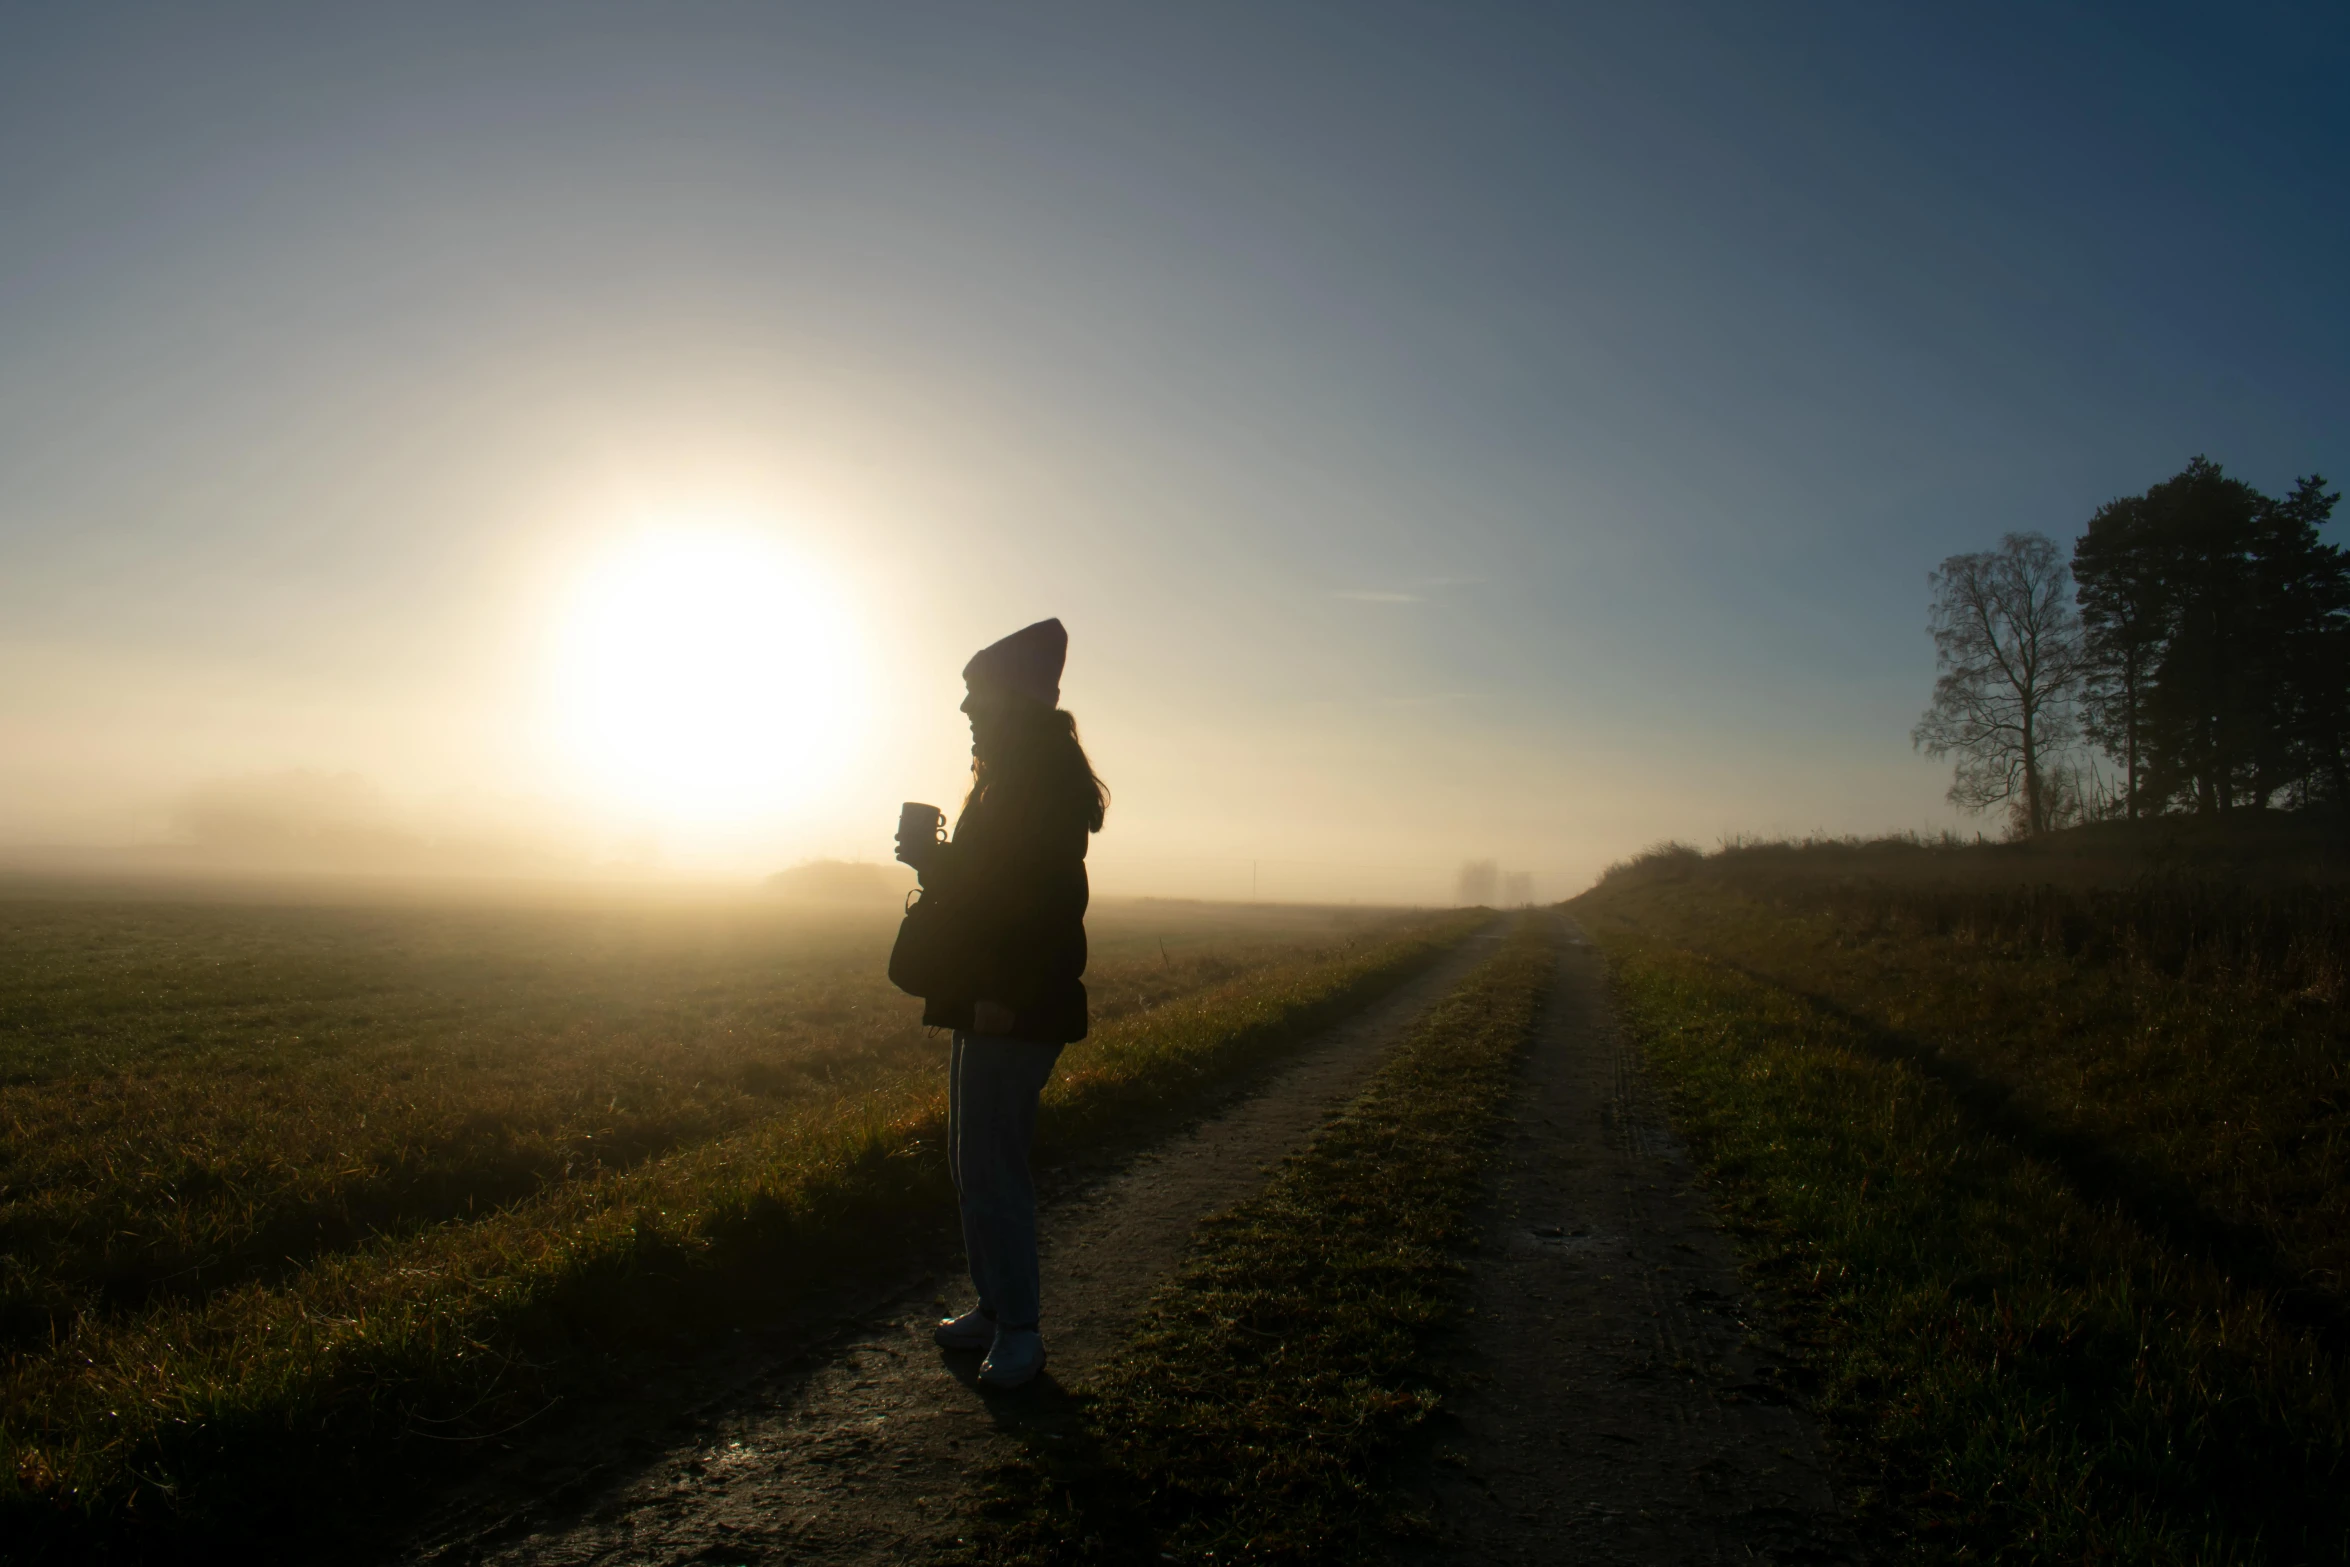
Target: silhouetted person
pixel 1012 891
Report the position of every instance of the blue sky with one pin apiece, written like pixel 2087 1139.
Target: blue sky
pixel 1447 431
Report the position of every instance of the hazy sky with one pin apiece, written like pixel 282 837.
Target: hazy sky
pixel 1446 430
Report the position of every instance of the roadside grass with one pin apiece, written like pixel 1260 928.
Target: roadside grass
pixel 2053 1181
pixel 154 1421
pixel 194 1096
pixel 1249 1421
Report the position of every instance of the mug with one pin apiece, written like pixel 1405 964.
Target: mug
pixel 920 824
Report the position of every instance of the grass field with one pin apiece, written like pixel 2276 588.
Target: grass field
pixel 285 1186
pixel 2047 1154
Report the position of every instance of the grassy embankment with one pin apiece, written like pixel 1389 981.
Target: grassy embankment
pixel 1249 1421
pixel 286 1191
pixel 2047 1155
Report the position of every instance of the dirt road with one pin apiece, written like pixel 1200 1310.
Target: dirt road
pixel 859 1451
pixel 1614 1399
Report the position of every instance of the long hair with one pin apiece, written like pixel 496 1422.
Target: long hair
pixel 1030 762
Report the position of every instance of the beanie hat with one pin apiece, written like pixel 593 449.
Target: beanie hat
pixel 1028 662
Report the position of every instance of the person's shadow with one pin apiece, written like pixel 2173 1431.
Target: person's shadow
pixel 1041 1408
pixel 1050 1423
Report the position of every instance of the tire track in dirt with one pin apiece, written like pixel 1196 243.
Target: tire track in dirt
pixel 861 1451
pixel 1614 1400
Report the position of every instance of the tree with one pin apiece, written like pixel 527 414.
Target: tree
pixel 2304 601
pixel 2219 642
pixel 2204 726
pixel 2125 620
pixel 2007 645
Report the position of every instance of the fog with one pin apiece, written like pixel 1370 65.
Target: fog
pixel 1448 440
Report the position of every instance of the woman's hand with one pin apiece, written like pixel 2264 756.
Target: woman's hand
pixel 917 854
pixel 990 1017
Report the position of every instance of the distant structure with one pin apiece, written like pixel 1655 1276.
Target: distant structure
pixel 842 881
pixel 1480 882
pixel 1517 890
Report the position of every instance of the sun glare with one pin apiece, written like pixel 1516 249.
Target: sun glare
pixel 705 675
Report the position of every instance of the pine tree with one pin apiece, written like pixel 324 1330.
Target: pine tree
pixel 2218 643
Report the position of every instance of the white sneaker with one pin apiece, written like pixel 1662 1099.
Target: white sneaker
pixel 1017 1357
pixel 972 1330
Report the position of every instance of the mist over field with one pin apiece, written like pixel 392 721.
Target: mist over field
pixel 588 444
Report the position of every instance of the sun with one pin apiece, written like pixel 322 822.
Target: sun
pixel 705 675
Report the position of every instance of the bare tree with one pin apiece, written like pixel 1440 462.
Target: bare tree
pixel 2007 644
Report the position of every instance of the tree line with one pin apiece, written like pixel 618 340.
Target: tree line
pixel 2198 637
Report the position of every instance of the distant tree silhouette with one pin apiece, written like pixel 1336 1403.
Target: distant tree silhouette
pixel 2218 643
pixel 2316 655
pixel 2125 618
pixel 1480 882
pixel 2007 645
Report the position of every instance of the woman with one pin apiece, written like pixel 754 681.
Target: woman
pixel 1011 885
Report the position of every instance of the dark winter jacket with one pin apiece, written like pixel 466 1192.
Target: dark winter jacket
pixel 1013 885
